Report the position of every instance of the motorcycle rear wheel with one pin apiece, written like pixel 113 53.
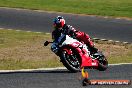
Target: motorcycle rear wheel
pixel 103 64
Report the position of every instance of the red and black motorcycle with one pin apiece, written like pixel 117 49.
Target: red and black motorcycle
pixel 74 55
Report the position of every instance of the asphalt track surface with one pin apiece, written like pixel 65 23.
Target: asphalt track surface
pixel 63 79
pixel 96 27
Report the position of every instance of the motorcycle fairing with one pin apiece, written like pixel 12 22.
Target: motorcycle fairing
pixel 86 60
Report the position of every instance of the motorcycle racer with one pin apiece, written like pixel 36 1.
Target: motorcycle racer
pixel 60 27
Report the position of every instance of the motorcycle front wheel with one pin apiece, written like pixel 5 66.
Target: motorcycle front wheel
pixel 70 61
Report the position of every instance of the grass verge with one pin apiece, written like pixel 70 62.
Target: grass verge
pixel 117 8
pixel 24 50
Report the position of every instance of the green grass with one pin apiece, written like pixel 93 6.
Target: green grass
pixel 116 8
pixel 25 50
pixel 116 53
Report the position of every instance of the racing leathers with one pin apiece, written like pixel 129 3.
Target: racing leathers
pixel 81 36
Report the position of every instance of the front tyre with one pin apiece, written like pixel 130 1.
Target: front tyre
pixel 70 61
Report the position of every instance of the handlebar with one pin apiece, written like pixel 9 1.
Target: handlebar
pixel 47 42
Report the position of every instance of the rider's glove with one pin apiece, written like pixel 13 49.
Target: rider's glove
pixel 54 47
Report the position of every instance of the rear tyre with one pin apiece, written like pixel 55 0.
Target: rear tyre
pixel 103 63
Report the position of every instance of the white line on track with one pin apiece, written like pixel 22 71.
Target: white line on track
pixel 18 30
pixel 50 69
pixel 38 32
pixel 1 28
pixel 120 64
pixel 30 70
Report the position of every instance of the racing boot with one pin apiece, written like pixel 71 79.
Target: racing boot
pixel 92 49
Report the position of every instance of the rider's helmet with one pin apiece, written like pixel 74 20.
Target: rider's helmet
pixel 59 22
